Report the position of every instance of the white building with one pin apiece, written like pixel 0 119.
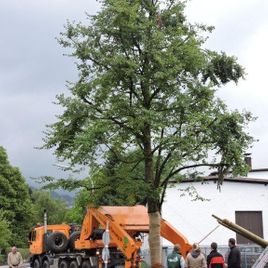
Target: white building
pixel 240 200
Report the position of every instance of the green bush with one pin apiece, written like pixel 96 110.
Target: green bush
pixel 24 253
pixel 3 259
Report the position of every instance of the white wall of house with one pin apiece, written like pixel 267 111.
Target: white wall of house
pixel 193 218
pixel 258 174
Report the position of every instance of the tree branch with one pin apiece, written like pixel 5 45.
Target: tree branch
pixel 171 174
pixel 118 157
pixel 157 174
pixel 113 119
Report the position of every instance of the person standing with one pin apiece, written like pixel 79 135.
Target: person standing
pixel 195 258
pixel 234 256
pixel 175 259
pixel 14 258
pixel 214 258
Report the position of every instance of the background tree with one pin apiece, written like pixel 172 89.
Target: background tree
pixel 15 202
pixel 147 82
pixel 56 208
pixel 5 234
pixel 110 183
pixel 76 213
pixel 114 184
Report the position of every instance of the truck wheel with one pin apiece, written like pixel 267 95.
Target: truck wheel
pixel 36 264
pixel 64 264
pixel 57 242
pixel 74 236
pixel 73 264
pixel 45 264
pixel 86 264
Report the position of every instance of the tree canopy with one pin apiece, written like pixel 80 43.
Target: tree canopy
pixel 148 84
pixel 5 233
pixel 15 203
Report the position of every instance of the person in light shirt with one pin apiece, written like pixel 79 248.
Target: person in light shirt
pixel 195 258
pixel 14 259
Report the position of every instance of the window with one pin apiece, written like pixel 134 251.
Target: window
pixel 250 220
pixel 32 236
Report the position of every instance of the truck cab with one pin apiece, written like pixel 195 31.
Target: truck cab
pixel 42 238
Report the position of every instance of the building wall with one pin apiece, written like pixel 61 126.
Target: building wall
pixel 193 218
pixel 258 174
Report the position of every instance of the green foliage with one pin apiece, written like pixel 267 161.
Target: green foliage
pixel 15 203
pixel 114 184
pixel 118 183
pixel 24 253
pixel 147 85
pixel 77 212
pixel 223 69
pixel 192 192
pixel 5 233
pixel 2 259
pixel 56 208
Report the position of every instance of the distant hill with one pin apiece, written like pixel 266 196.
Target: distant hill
pixel 69 198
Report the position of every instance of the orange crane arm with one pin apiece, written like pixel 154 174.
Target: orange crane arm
pixel 124 222
pixel 173 235
pixel 119 236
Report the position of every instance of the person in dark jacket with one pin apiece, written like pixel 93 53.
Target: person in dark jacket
pixel 215 259
pixel 174 259
pixel 234 256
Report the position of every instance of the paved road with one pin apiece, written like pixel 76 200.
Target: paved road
pixel 25 265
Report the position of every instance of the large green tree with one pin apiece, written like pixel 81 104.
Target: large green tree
pixel 15 202
pixel 146 82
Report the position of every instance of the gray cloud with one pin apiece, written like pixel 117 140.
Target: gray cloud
pixel 33 71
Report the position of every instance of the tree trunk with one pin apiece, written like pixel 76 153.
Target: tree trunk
pixel 153 201
pixel 154 238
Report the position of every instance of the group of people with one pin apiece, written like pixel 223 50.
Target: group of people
pixel 196 259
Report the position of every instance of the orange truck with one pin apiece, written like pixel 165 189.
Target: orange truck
pixel 112 233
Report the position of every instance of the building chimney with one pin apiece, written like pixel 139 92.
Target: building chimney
pixel 248 160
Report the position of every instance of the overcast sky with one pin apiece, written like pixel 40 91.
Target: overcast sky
pixel 33 69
